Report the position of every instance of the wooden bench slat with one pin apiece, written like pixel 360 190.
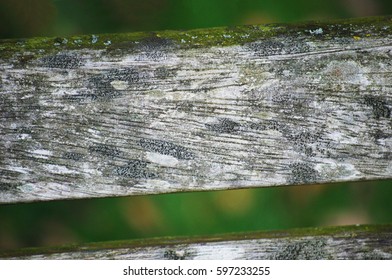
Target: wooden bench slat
pixel 348 242
pixel 143 113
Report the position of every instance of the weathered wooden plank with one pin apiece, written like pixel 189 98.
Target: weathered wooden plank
pixel 141 113
pixel 354 242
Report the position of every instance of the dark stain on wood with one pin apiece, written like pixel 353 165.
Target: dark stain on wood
pixel 175 255
pixel 73 156
pixel 105 150
pixel 8 187
pixel 303 250
pixel 162 73
pixel 277 46
pixel 136 169
pixel 224 125
pixel 303 173
pixel 102 87
pixel 155 48
pixel 379 106
pixel 61 61
pixel 166 148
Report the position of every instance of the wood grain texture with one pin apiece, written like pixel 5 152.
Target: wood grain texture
pixel 355 242
pixel 143 113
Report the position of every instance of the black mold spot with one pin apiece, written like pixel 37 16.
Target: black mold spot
pixel 269 124
pixel 105 150
pixel 166 148
pixel 373 255
pixel 34 81
pixel 274 125
pixel 224 126
pixel 127 74
pixel 102 87
pixel 286 99
pixel 255 99
pixel 379 134
pixel 175 255
pixel 303 173
pixel 135 169
pixel 154 42
pixel 164 73
pixel 292 103
pixel 23 130
pixel 379 106
pixel 155 48
pixel 8 187
pixel 62 61
pixel 257 126
pixel 202 88
pixel 267 47
pixel 73 156
pixel 303 250
pixel 24 59
pixel 81 98
pixel 303 137
pixel 301 140
pixel 277 47
pixel 184 106
pixel 387 156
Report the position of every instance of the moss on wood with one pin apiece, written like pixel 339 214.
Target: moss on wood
pixel 220 36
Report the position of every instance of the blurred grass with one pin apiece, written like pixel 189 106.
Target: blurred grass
pixel 201 213
pixel 59 222
pixel 27 18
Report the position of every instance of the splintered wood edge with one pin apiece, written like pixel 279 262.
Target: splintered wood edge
pixel 347 242
pixel 159 112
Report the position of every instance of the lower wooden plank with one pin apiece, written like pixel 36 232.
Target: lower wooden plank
pixel 348 242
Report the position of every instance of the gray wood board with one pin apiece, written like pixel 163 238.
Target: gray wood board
pixel 293 105
pixel 354 242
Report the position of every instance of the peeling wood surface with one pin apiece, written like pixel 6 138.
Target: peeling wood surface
pixel 355 242
pixel 199 110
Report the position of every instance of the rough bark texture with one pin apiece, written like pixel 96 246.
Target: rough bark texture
pixel 357 242
pixel 124 114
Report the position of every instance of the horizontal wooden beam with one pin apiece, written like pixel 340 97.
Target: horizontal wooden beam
pixel 143 113
pixel 348 242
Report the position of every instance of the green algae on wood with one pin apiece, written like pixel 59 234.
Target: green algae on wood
pixel 218 36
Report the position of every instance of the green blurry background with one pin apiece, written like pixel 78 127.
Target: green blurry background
pixel 64 222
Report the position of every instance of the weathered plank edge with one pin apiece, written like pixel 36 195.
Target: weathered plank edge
pixel 199 38
pixel 185 190
pixel 364 241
